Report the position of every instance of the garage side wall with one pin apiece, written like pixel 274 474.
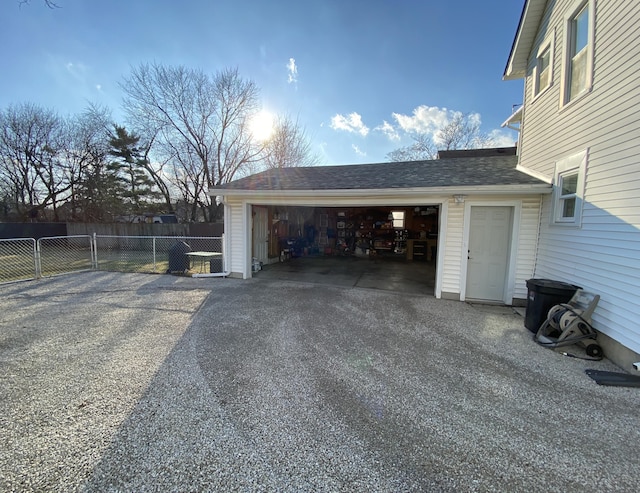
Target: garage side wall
pixel 525 253
pixel 527 245
pixel 453 251
pixel 236 239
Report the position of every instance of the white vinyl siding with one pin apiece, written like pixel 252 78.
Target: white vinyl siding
pixel 451 275
pixel 527 244
pixel 236 249
pixel 602 256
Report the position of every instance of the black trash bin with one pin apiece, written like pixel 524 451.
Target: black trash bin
pixel 178 261
pixel 215 265
pixel 542 296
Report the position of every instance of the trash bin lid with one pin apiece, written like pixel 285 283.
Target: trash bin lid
pixel 550 286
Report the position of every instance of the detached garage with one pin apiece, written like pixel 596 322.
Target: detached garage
pixel 472 214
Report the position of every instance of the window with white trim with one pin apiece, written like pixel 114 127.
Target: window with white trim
pixel 543 68
pixel 578 53
pixel 569 190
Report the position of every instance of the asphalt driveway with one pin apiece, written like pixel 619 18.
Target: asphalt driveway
pixel 125 382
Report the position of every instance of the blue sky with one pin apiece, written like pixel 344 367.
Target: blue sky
pixel 359 75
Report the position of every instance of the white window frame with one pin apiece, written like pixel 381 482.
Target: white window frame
pixel 569 17
pixel 547 44
pixel 569 166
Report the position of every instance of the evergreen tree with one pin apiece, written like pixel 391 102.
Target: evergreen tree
pixel 131 181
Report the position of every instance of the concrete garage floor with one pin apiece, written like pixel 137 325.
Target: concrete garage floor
pixel 134 382
pixel 385 273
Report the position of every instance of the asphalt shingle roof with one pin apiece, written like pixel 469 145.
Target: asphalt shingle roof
pixel 448 172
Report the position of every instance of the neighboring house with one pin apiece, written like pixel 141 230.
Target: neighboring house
pixel 580 132
pixel 485 221
pixel 149 218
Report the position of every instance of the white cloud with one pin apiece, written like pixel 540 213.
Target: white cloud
pixel 292 69
pixel 502 138
pixel 358 151
pixel 76 70
pixel 350 123
pixel 430 120
pixel 99 87
pixel 389 130
pixel 425 119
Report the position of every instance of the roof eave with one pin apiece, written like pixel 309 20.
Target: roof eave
pixel 523 42
pixel 526 189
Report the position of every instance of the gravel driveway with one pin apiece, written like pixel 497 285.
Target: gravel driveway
pixel 125 382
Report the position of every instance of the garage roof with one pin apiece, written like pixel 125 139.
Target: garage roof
pixel 447 173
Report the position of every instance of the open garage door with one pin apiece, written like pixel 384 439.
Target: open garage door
pixel 384 247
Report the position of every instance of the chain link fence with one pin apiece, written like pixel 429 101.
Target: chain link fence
pixel 64 254
pixel 18 260
pixel 159 254
pixel 27 259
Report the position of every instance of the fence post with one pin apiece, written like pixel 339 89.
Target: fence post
pixel 154 254
pixel 94 251
pixel 38 260
pixel 224 255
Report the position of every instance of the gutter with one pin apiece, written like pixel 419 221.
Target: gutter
pixel 528 189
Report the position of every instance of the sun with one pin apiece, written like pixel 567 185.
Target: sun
pixel 261 125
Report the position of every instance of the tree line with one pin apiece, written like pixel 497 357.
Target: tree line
pixel 184 132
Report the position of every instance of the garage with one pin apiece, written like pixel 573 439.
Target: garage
pixel 466 223
pixel 387 246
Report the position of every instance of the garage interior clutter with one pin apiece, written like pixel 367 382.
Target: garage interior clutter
pixel 409 233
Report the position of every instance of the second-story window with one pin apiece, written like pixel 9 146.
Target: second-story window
pixel 543 69
pixel 578 67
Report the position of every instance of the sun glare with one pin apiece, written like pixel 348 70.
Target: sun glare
pixel 261 125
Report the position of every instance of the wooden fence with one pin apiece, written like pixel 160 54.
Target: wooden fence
pixel 39 230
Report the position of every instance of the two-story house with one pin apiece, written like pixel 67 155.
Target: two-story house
pixel 580 132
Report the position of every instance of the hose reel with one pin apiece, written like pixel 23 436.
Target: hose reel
pixel 570 323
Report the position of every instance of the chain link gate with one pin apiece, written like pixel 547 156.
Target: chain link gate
pixel 18 260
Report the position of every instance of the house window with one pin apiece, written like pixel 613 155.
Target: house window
pixel 398 219
pixel 568 186
pixel 569 190
pixel 578 66
pixel 543 69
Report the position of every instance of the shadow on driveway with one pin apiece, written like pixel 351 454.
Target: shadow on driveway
pixel 276 386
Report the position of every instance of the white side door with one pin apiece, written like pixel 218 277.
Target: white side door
pixel 260 234
pixel 488 254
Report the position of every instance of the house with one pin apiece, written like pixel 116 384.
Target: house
pixel 580 132
pixel 473 214
pixel 565 207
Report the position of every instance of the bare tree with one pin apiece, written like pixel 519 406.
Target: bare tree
pixel 30 139
pixel 49 3
pixel 461 132
pixel 422 148
pixel 198 121
pixel 83 155
pixel 289 146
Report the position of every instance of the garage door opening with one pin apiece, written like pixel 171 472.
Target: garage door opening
pixel 396 246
